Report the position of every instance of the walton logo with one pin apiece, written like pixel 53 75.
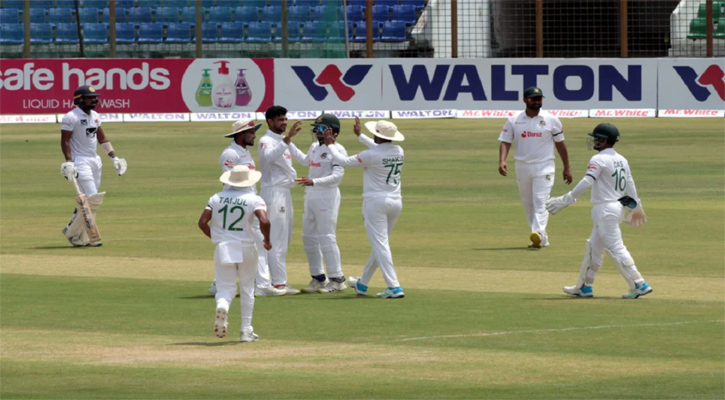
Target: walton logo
pixel 713 76
pixel 331 75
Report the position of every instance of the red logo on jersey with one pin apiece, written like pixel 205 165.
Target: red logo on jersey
pixel 592 166
pixel 229 163
pixel 530 134
pixel 315 164
pixel 287 156
pixel 359 159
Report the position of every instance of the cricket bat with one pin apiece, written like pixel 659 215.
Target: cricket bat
pixel 89 221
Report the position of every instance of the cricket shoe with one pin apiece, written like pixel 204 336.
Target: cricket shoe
pixel 75 241
pixel 290 290
pixel 220 323
pixel 535 240
pixel 248 336
pixel 584 291
pixel 639 290
pixel 315 285
pixel 354 283
pixel 212 288
pixel 333 287
pixel 392 293
pixel 270 291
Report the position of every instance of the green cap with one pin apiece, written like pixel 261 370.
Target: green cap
pixel 533 91
pixel 328 120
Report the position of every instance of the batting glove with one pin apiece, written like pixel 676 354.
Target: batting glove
pixel 68 170
pixel 120 165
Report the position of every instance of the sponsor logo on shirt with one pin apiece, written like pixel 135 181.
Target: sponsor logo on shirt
pixel 592 166
pixel 530 134
pixel 542 123
pixel 315 164
pixel 323 155
pixel 229 163
pixel 521 123
pixel 84 122
pixel 359 159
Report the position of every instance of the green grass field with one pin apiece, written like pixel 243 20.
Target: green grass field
pixel 483 316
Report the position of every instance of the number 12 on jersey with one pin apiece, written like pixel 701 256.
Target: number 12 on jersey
pixel 394 172
pixel 236 221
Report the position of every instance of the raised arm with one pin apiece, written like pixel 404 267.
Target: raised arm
pixel 303 158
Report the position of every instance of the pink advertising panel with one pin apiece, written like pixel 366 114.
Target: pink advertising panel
pixel 45 86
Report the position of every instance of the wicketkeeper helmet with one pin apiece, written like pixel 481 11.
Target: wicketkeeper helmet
pixel 328 120
pixel 606 131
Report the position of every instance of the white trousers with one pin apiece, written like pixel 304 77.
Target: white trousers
pixel 226 283
pixel 89 174
pixel 606 234
pixel 535 182
pixel 262 279
pixel 281 215
pixel 319 224
pixel 380 215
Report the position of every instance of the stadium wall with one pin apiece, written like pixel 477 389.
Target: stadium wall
pixel 37 90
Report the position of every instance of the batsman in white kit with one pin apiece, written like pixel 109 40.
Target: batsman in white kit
pixel 322 205
pixel 81 133
pixel 243 135
pixel 228 221
pixel 613 194
pixel 534 133
pixel 382 200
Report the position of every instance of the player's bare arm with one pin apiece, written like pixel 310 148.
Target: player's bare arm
pixel 503 152
pixel 264 227
pixel 204 222
pixel 356 127
pixel 564 154
pixel 292 132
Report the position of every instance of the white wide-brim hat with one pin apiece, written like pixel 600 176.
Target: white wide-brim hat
pixel 242 125
pixel 385 130
pixel 240 176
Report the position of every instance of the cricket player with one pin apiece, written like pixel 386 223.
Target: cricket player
pixel 534 133
pixel 243 135
pixel 227 220
pixel 322 204
pixel 382 200
pixel 278 176
pixel 81 133
pixel 610 178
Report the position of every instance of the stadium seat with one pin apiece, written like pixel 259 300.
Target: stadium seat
pixel 259 32
pixel 66 33
pixel 125 32
pixel 89 15
pixel 167 15
pixel 125 3
pixel 404 12
pixel 99 4
pixel 358 3
pixel 153 4
pixel 306 3
pixel 40 33
pixel 219 15
pixel 13 33
pixel 13 4
pixel 388 3
pixel 151 33
pixel 698 29
pixel 314 31
pixel 720 32
pixel 95 33
pixel 45 4
pixel 381 13
pixel 717 10
pixel 230 3
pixel 9 16
pixel 247 14
pixel 294 32
pixel 393 31
pixel 188 14
pixel 257 3
pixel 355 13
pixel 209 32
pixel 60 16
pixel 207 3
pixel 418 4
pixel 361 32
pixel 322 13
pixel 178 33
pixel 70 4
pixel 299 14
pixel 272 14
pixel 232 32
pixel 140 15
pixel 38 15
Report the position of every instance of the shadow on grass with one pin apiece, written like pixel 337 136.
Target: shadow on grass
pixel 505 248
pixel 68 247
pixel 206 344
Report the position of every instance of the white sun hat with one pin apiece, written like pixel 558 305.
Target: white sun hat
pixel 385 130
pixel 241 176
pixel 243 125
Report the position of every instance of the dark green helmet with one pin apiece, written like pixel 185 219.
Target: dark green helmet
pixel 606 131
pixel 328 120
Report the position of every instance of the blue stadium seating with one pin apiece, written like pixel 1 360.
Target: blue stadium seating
pixel 418 4
pixel 150 3
pixel 106 16
pixel 66 33
pixel 394 31
pixel 207 3
pixel 272 14
pixel 167 15
pixel 232 32
pixel 219 15
pixel 41 33
pixel 361 32
pixel 314 31
pixel 230 3
pixel 404 12
pixel 60 16
pixel 381 13
pixel 99 4
pixel 125 4
pixel 209 32
pixel 70 4
pixel 125 32
pixel 11 33
pixel 247 14
pixel 151 33
pixel 89 15
pixel 355 13
pixel 178 33
pixel 358 3
pixel 95 33
pixel 13 4
pixel 259 32
pixel 46 4
pixel 188 14
pixel 38 15
pixel 299 14
pixel 308 3
pixel 140 15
